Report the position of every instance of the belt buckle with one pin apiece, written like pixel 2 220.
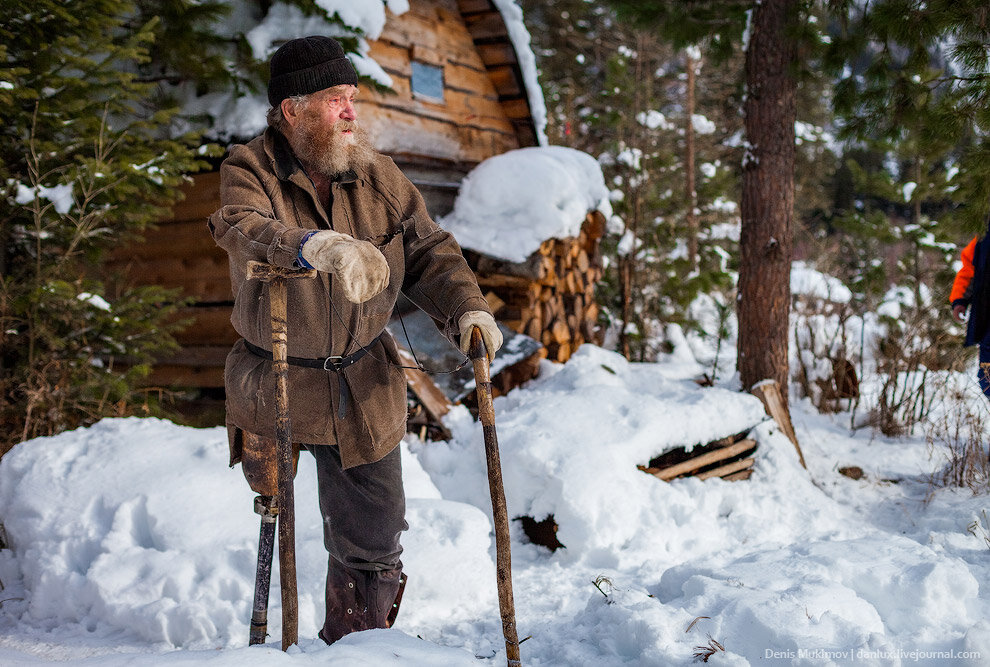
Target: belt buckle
pixel 332 364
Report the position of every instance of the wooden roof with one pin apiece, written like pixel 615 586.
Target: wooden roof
pixel 491 37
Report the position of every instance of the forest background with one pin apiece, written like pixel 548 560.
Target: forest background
pixel 881 108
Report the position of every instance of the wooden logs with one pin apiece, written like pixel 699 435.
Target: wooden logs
pixel 730 458
pixel 550 296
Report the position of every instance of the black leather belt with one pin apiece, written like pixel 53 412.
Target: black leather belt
pixel 335 364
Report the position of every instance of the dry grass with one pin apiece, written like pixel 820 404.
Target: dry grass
pixel 959 436
pixel 604 586
pixel 705 651
pixel 981 529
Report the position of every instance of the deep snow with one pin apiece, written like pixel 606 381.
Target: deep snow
pixel 132 542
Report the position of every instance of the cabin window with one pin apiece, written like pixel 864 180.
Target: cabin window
pixel 427 81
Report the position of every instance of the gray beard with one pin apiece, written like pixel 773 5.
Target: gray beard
pixel 328 151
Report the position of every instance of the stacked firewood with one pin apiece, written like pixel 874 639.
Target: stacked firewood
pixel 551 296
pixel 730 458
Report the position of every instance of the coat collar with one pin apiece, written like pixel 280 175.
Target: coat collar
pixel 287 165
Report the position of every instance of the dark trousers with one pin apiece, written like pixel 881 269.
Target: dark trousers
pixel 363 508
pixel 363 512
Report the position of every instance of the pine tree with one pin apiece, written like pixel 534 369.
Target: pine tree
pixel 914 79
pixel 616 92
pixel 84 162
pixel 776 31
pixel 913 97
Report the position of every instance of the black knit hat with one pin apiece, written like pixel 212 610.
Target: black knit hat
pixel 306 65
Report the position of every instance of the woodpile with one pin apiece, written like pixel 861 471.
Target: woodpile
pixel 550 297
pixel 729 458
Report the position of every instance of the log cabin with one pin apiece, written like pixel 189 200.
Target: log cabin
pixel 459 98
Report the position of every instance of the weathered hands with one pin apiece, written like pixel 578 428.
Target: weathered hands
pixel 358 265
pixel 489 331
pixel 959 313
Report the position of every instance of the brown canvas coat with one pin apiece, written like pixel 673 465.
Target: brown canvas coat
pixel 268 204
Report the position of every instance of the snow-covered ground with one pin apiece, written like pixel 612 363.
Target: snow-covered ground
pixel 131 542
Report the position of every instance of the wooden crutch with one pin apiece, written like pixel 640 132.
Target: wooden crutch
pixel 276 278
pixel 500 515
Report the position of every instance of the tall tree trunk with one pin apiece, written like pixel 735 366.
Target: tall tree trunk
pixel 689 185
pixel 626 281
pixel 767 196
pixel 629 275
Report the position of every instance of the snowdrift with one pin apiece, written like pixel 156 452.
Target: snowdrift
pixel 132 542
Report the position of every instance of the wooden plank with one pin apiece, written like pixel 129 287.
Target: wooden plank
pixel 199 211
pixel 201 377
pixel 497 53
pixel 433 399
pixel 211 326
pixel 517 109
pixel 500 280
pixel 506 80
pixel 691 465
pixel 205 186
pixel 458 107
pixel 487 26
pixel 202 288
pixel 464 78
pixel 739 476
pixel 198 355
pixel 769 393
pixel 727 469
pixel 474 6
pixel 394 58
pixel 181 239
pixel 397 131
pixel 178 272
pixel 451 38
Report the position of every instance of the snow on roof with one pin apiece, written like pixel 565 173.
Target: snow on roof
pixel 511 203
pixel 519 35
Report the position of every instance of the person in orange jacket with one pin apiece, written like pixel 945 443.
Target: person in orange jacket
pixel 971 290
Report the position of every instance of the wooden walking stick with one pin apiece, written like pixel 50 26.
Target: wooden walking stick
pixel 276 278
pixel 500 515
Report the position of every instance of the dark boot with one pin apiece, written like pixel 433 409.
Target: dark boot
pixel 359 600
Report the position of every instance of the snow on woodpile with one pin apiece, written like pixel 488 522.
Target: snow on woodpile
pixel 570 443
pixel 511 203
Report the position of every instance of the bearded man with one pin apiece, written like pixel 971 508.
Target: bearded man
pixel 311 192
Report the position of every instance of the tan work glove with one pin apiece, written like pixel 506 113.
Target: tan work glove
pixel 489 331
pixel 358 265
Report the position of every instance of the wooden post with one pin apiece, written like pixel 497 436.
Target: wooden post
pixel 769 392
pixel 500 515
pixel 276 278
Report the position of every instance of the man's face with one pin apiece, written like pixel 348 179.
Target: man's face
pixel 332 105
pixel 325 133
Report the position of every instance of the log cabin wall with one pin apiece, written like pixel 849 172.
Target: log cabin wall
pixel 437 136
pixel 436 139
